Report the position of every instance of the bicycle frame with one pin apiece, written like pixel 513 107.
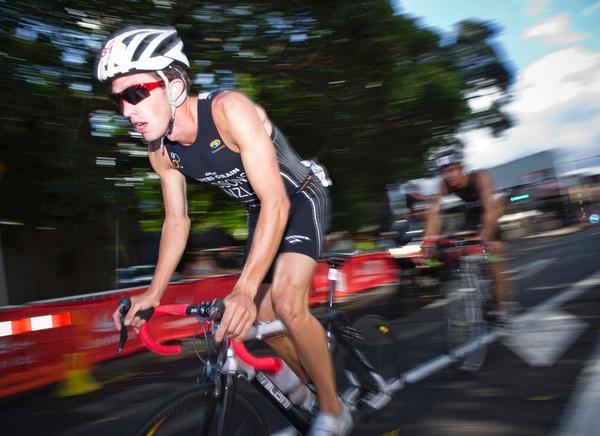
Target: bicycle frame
pixel 467 303
pixel 234 362
pixel 469 264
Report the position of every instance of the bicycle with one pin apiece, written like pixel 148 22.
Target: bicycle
pixel 207 406
pixel 469 301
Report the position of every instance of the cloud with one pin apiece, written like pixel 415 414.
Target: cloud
pixel 557 78
pixel 536 7
pixel 556 104
pixel 591 9
pixel 554 31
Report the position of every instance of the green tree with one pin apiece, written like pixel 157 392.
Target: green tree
pixel 364 91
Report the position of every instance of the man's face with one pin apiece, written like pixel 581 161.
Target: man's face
pixel 453 174
pixel 150 116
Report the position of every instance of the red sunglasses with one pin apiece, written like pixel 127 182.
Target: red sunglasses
pixel 136 93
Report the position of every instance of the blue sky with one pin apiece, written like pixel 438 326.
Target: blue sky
pixel 553 47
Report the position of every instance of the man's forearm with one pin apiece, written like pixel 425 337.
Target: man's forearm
pixel 172 244
pixel 432 226
pixel 490 224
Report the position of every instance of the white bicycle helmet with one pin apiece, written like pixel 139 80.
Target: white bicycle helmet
pixel 139 49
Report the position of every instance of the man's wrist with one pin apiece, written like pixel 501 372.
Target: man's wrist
pixel 429 240
pixel 244 291
pixel 155 293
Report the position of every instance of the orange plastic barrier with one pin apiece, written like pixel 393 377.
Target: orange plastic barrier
pixel 38 341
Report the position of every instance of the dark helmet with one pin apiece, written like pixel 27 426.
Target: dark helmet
pixel 446 157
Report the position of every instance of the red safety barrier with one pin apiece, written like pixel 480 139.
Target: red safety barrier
pixel 39 343
pixel 361 272
pixel 32 343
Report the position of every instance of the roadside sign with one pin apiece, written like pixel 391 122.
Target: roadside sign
pixel 594 218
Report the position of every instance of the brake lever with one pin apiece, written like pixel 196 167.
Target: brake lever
pixel 217 310
pixel 124 307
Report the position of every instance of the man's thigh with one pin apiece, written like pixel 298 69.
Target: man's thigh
pixel 292 277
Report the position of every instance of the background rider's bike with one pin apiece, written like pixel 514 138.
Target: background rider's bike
pixel 469 300
pixel 367 374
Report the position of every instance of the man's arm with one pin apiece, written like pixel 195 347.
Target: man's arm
pixel 433 224
pixel 490 207
pixel 175 230
pixel 247 130
pixel 173 237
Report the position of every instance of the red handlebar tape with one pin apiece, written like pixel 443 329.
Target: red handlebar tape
pixel 268 364
pixel 150 342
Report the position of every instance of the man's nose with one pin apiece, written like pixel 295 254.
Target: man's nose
pixel 127 109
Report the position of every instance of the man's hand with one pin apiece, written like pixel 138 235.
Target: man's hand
pixel 240 313
pixel 429 248
pixel 494 247
pixel 138 302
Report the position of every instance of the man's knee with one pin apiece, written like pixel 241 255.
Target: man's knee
pixel 290 307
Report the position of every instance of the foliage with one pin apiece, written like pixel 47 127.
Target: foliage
pixel 364 91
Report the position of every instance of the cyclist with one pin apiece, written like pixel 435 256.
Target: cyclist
pixel 225 139
pixel 481 213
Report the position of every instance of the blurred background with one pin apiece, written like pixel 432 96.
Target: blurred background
pixel 365 87
pixel 369 88
pixel 362 87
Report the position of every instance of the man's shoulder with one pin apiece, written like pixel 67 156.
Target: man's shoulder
pixel 480 176
pixel 233 104
pixel 229 97
pixel 480 173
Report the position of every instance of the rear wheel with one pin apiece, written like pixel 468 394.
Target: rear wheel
pixel 194 411
pixel 466 322
pixel 376 341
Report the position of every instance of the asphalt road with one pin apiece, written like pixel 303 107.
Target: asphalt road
pixel 558 282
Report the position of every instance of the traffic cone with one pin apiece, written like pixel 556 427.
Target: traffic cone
pixel 78 379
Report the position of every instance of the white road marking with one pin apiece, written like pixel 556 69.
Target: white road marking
pixel 443 360
pixel 574 291
pixel 581 418
pixel 533 268
pixel 542 338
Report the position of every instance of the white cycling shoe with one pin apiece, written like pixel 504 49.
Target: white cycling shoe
pixel 325 424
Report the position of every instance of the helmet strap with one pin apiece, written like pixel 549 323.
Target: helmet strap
pixel 173 103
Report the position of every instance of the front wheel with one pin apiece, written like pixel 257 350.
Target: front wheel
pixel 194 410
pixel 465 323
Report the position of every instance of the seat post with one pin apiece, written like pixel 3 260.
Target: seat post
pixel 332 275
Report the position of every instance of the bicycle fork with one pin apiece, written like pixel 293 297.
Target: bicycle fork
pixel 229 391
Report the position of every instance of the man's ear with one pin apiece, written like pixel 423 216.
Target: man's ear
pixel 177 87
pixel 178 91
